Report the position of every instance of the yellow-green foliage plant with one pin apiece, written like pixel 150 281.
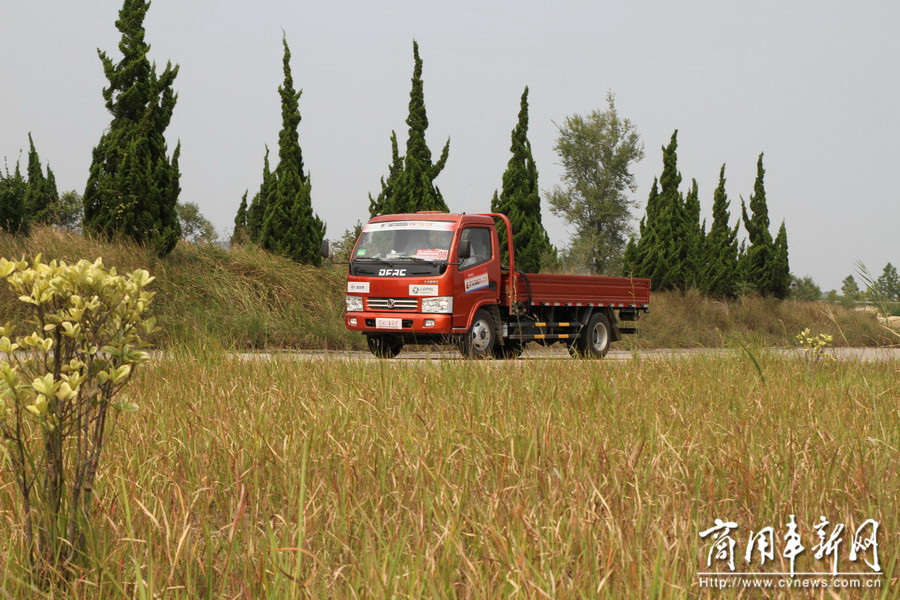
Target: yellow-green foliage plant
pixel 57 384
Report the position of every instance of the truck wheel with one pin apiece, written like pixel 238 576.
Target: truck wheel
pixel 384 346
pixel 512 350
pixel 594 339
pixel 479 341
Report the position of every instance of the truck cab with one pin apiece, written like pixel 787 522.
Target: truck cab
pixel 437 277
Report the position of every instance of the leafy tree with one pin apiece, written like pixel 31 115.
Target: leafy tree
pixel 849 289
pixel 41 194
pixel 759 256
pixel 887 287
pixel 779 267
pixel 719 275
pixel 133 186
pixel 344 246
pixel 194 226
pixel 290 228
pixel 412 188
pixel 806 289
pixel 662 249
pixel 67 212
pixel 597 153
pixel 520 200
pixel 239 235
pixel 256 212
pixel 13 216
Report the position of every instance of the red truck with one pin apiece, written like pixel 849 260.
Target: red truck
pixel 437 277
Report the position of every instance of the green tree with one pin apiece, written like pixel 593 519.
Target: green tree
pixel 806 289
pixel 239 235
pixel 67 212
pixel 290 228
pixel 662 248
pixel 344 246
pixel 413 189
pixel 719 275
pixel 597 153
pixel 133 186
pixel 194 226
pixel 520 200
pixel 41 195
pixel 256 212
pixel 694 233
pixel 779 267
pixel 887 287
pixel 13 216
pixel 760 253
pixel 849 289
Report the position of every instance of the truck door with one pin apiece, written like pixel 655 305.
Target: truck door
pixel 477 277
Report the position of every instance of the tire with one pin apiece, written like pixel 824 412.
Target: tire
pixel 481 338
pixel 384 346
pixel 594 339
pixel 512 350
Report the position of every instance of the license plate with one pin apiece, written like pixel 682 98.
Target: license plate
pixel 388 323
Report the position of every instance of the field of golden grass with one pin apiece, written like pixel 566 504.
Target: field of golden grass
pixel 533 479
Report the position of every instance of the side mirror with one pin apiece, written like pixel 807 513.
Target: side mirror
pixel 326 249
pixel 465 250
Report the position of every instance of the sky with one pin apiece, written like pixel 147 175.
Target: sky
pixel 813 85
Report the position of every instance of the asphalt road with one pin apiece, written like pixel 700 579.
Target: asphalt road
pixel 538 353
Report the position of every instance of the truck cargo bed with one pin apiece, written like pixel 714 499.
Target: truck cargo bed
pixel 580 290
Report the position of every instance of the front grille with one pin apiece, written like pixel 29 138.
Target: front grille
pixel 406 304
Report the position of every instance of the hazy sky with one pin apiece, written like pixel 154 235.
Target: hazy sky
pixel 814 85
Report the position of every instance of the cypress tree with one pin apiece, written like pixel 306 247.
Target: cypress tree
pixel 133 186
pixel 779 265
pixel 413 189
pixel 694 233
pixel 13 216
pixel 385 203
pixel 719 274
pixel 239 235
pixel 637 259
pixel 256 212
pixel 520 200
pixel 41 194
pixel 757 269
pixel 290 228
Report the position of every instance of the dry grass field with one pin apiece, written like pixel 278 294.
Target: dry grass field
pixel 556 479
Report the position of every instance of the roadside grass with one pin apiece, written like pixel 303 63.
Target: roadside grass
pixel 537 479
pixel 246 298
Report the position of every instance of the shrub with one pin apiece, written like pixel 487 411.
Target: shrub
pixel 56 387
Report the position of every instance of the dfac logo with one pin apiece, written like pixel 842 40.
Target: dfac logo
pixel 391 272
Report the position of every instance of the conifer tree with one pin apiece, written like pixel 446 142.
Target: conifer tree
pixel 661 250
pixel 520 200
pixel 694 237
pixel 384 204
pixel 290 228
pixel 757 265
pixel 239 235
pixel 412 188
pixel 719 274
pixel 133 186
pixel 41 194
pixel 779 267
pixel 13 216
pixel 256 212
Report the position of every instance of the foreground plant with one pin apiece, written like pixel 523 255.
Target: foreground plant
pixel 57 385
pixel 814 346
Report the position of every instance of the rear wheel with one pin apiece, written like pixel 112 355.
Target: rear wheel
pixel 479 341
pixel 594 339
pixel 384 346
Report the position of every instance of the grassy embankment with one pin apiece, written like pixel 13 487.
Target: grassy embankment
pixel 562 479
pixel 247 298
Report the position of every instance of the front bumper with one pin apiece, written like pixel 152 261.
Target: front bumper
pixel 412 322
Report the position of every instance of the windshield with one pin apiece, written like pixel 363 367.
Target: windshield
pixel 412 240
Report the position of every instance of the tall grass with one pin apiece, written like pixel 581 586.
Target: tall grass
pixel 562 479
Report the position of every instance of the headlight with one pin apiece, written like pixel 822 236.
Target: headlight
pixel 438 304
pixel 354 303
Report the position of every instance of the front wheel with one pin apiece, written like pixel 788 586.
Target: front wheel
pixel 384 346
pixel 479 341
pixel 594 339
